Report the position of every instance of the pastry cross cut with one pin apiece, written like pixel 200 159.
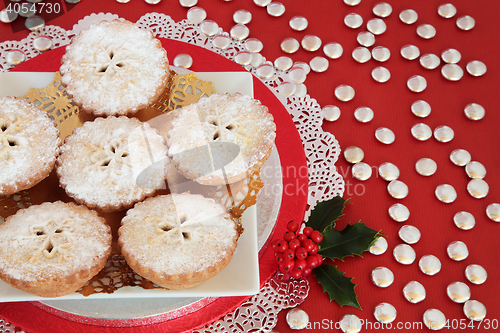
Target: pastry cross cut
pixel 219 128
pixel 111 62
pixel 54 238
pixel 176 229
pixel 8 130
pixel 111 157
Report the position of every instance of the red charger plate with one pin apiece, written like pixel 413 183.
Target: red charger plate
pixel 36 317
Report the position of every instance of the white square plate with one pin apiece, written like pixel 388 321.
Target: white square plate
pixel 239 278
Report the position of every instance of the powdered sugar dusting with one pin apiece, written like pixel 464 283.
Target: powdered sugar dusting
pixel 178 233
pixel 230 118
pixel 52 241
pixel 105 162
pixel 29 145
pixel 114 68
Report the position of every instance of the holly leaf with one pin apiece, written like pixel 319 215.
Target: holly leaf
pixel 326 213
pixel 338 287
pixel 352 240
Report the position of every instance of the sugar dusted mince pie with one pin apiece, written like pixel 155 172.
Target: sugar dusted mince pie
pixel 114 68
pixel 112 163
pixel 29 145
pixel 233 131
pixel 178 240
pixel 53 249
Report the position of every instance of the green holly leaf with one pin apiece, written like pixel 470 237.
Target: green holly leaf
pixel 339 287
pixel 326 213
pixel 352 240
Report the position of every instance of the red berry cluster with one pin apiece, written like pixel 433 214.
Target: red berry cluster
pixel 297 253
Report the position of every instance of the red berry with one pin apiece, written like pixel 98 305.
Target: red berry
pixel 308 231
pixel 287 266
pixel 294 244
pixel 300 264
pixel 301 253
pixel 320 258
pixel 307 271
pixel 274 246
pixel 308 244
pixel 289 255
pixel 315 249
pixel 302 237
pixel 317 236
pixel 312 261
pixel 296 274
pixel 289 235
pixel 282 245
pixel 279 257
pixel 293 226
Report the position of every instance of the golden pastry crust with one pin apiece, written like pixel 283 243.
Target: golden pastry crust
pixel 114 68
pixel 29 145
pixel 112 163
pixel 53 249
pixel 178 240
pixel 239 130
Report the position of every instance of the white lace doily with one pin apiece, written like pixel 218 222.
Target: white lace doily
pixel 259 313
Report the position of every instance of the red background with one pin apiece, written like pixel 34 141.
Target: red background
pixel 391 103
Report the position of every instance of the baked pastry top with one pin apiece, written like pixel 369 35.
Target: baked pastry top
pixel 114 68
pixel 111 163
pixel 52 249
pixel 29 145
pixel 233 131
pixel 178 240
